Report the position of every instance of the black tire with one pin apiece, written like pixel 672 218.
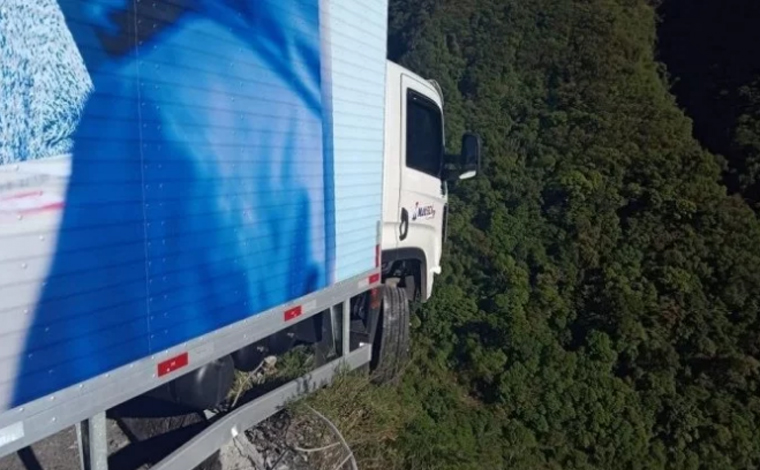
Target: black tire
pixel 390 348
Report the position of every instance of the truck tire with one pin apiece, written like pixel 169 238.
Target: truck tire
pixel 390 348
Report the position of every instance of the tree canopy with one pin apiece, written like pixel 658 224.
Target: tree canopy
pixel 598 306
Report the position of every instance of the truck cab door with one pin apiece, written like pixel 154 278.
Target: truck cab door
pixel 422 198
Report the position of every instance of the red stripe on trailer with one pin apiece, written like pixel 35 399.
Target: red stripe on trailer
pixel 375 278
pixel 170 365
pixel 22 195
pixel 294 312
pixel 377 256
pixel 30 202
pixel 46 207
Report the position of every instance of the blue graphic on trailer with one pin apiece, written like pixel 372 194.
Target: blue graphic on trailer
pixel 200 188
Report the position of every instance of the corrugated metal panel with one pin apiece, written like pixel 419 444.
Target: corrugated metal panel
pixel 358 39
pixel 180 169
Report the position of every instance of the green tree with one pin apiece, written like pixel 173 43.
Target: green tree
pixel 599 302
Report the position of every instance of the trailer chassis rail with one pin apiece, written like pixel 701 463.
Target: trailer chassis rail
pixel 195 451
pixel 92 432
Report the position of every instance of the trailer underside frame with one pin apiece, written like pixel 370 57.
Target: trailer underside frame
pixel 85 404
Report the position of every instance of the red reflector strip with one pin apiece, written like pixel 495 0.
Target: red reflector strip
pixel 170 365
pixel 294 312
pixel 377 256
pixel 375 278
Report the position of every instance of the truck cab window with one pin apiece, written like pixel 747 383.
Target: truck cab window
pixel 424 139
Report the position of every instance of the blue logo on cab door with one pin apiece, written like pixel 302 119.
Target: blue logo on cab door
pixel 423 212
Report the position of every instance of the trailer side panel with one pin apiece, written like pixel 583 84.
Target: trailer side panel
pixel 170 172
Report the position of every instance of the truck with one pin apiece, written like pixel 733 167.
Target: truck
pixel 188 186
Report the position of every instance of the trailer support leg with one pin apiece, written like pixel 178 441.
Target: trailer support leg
pixel 345 336
pixel 93 446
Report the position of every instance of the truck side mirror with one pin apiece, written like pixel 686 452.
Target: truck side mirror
pixel 470 156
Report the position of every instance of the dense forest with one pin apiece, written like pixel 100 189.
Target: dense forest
pixel 598 307
pixel 711 51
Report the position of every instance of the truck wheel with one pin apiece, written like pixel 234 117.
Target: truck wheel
pixel 390 348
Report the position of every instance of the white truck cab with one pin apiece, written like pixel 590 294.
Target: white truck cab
pixel 416 172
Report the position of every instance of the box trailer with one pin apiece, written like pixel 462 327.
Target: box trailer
pixel 187 186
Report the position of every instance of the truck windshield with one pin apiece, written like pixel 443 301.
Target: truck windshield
pixel 424 138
